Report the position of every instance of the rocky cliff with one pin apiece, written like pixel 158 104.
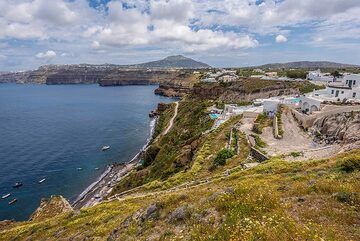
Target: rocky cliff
pixel 246 89
pixel 136 77
pixel 172 90
pixel 51 207
pixel 343 128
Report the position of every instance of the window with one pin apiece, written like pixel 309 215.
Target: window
pixel 342 92
pixel 354 94
pixel 332 92
pixel 347 81
pixel 354 81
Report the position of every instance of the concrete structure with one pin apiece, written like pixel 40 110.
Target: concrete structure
pixel 307 120
pixel 271 106
pixel 309 104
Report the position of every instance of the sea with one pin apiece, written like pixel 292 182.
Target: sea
pixel 56 132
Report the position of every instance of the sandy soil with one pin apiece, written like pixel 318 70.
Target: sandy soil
pixel 295 140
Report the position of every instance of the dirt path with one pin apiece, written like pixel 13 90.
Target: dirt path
pixel 171 122
pixel 294 139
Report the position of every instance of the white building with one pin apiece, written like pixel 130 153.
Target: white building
pixel 271 106
pixel 320 77
pixel 310 104
pixel 347 89
pixel 228 78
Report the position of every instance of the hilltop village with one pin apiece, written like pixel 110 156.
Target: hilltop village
pixel 242 154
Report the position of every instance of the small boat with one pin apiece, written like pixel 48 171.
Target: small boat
pixel 42 180
pixel 105 148
pixel 17 185
pixel 79 168
pixel 96 168
pixel 12 201
pixel 6 196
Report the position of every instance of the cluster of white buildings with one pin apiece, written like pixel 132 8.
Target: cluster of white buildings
pixel 317 76
pixel 346 88
pixel 221 76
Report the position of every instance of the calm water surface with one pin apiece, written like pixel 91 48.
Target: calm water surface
pixel 50 131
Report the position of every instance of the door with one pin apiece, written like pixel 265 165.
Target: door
pixel 337 93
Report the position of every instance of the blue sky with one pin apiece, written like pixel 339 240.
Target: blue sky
pixel 219 32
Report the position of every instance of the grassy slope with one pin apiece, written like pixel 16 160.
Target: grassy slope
pixel 176 148
pixel 277 200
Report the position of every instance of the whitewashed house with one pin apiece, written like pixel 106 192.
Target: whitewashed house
pixel 320 77
pixel 347 89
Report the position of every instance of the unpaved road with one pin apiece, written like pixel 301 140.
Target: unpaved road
pixel 171 122
pixel 294 139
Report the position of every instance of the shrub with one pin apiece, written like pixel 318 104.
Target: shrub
pixel 150 155
pixel 259 142
pixel 296 154
pixel 350 164
pixel 222 156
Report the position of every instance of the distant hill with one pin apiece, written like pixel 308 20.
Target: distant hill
pixel 306 65
pixel 176 61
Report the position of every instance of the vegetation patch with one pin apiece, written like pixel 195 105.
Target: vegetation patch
pixel 222 156
pixel 261 121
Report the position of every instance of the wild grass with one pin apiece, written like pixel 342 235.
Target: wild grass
pixel 277 200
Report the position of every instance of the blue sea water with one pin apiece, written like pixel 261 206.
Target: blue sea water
pixel 48 131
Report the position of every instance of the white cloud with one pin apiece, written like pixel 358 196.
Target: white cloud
pixel 281 38
pixel 173 26
pixel 46 55
pixel 165 24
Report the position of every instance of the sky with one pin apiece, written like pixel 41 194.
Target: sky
pixel 222 33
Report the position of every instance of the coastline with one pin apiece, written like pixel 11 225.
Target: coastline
pixel 98 190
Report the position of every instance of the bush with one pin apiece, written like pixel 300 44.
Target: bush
pixel 222 156
pixel 296 74
pixel 349 165
pixel 150 155
pixel 296 154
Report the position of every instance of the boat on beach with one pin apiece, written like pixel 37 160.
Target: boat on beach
pixel 42 180
pixel 17 185
pixel 6 196
pixel 12 201
pixel 105 148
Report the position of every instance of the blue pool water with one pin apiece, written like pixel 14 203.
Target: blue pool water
pixel 295 100
pixel 50 131
pixel 214 116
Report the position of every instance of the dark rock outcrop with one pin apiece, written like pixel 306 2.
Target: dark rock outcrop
pixel 160 109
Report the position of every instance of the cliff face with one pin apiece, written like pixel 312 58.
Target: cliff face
pixel 105 75
pixel 18 77
pixel 172 90
pixel 135 77
pixel 76 77
pixel 343 128
pixel 245 90
pixel 51 207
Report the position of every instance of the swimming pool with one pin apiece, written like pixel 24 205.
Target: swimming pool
pixel 295 100
pixel 214 116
